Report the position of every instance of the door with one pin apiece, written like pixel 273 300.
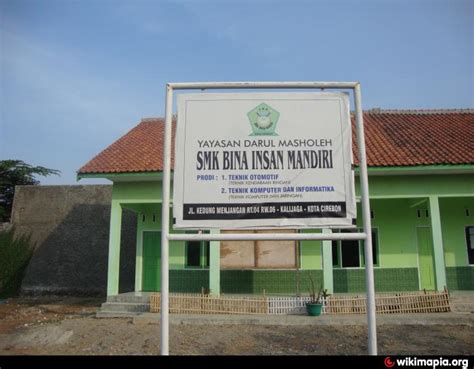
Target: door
pixel 425 257
pixel 151 261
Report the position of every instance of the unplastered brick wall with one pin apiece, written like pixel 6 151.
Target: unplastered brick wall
pixel 69 229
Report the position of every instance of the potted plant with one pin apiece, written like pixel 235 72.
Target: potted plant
pixel 315 303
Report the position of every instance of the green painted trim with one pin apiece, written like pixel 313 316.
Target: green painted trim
pixel 421 169
pixel 158 175
pixel 327 263
pixel 214 265
pixel 394 197
pixel 202 254
pixel 438 250
pixel 415 168
pixel 113 269
pixel 420 186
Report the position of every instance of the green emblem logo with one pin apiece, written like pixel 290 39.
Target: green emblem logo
pixel 263 120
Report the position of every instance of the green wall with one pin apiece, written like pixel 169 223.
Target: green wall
pixel 190 280
pixel 453 223
pixel 460 278
pixel 292 281
pixel 419 185
pixel 247 281
pixel 379 186
pixel 349 280
pixel 396 224
pixel 310 253
pixel 137 192
pixel 145 222
pixel 395 219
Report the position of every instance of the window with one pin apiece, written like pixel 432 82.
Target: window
pixel 197 254
pixel 335 254
pixel 351 253
pixel 470 243
pixel 193 254
pixel 259 254
pixel 420 213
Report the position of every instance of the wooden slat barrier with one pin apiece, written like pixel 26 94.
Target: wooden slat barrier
pixel 394 303
pixel 207 304
pixel 387 303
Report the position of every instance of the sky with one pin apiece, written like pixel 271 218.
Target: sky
pixel 77 75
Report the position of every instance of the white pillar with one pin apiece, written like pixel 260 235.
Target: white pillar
pixel 327 263
pixel 214 266
pixel 438 250
pixel 113 269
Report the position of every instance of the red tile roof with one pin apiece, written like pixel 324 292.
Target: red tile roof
pixel 393 138
pixel 139 150
pixel 408 138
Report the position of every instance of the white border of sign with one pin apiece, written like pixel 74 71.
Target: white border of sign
pixel 201 203
pixel 166 236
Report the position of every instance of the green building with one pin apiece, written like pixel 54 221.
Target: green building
pixel 421 183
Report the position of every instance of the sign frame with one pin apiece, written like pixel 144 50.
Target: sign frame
pixel 222 186
pixel 167 236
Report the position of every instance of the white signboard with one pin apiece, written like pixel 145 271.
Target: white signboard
pixel 263 160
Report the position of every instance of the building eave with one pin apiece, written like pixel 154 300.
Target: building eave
pixel 124 177
pixel 440 169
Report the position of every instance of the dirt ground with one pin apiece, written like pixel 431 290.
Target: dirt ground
pixel 67 326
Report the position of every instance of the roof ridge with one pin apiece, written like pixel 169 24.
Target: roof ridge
pixel 157 119
pixel 368 111
pixel 418 111
pixel 151 119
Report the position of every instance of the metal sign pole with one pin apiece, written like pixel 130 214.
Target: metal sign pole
pixel 364 195
pixel 165 224
pixel 166 236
